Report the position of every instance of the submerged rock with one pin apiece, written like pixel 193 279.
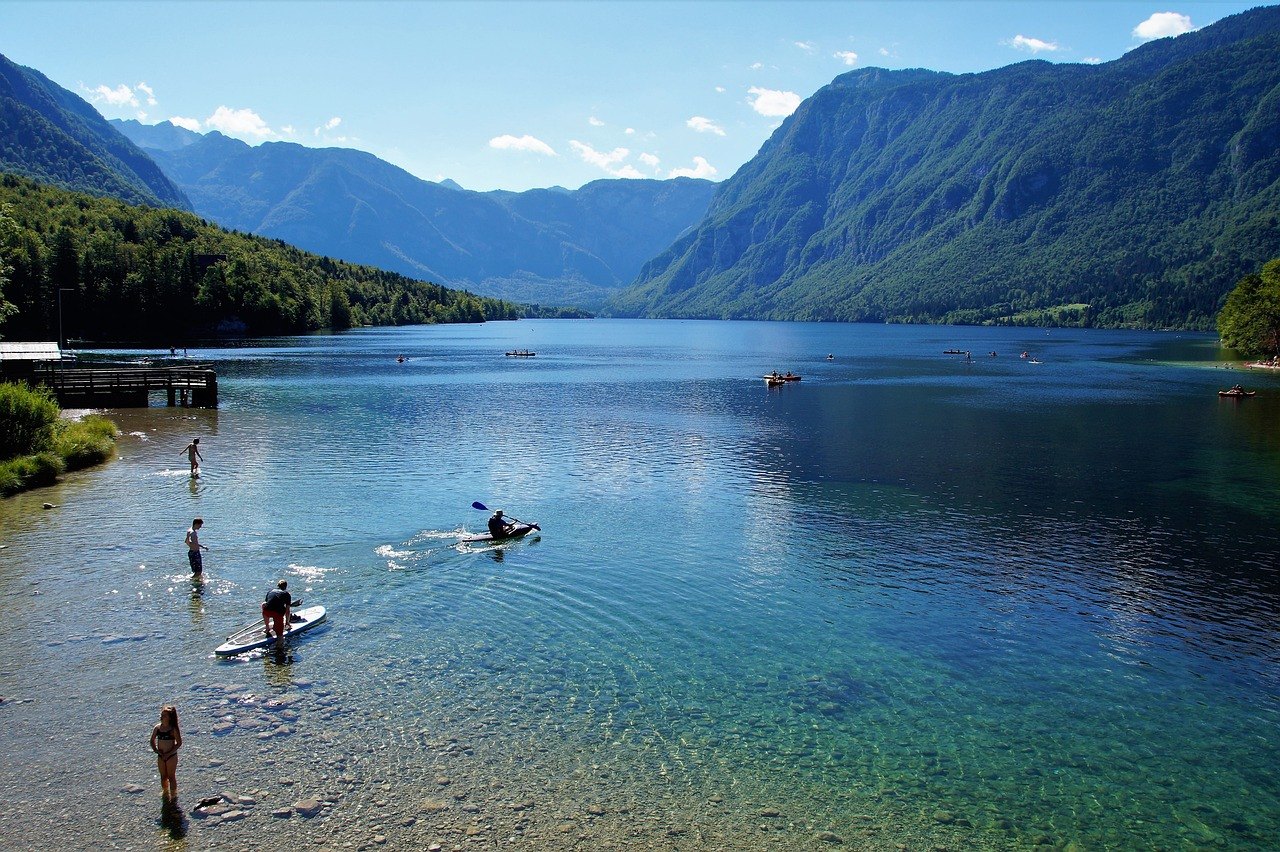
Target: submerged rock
pixel 307 807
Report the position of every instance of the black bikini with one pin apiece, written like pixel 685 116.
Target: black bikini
pixel 168 736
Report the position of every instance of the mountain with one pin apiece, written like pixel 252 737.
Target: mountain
pixel 1135 192
pixel 548 246
pixel 53 136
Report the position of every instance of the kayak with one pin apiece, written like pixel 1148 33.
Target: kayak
pixel 248 638
pixel 516 532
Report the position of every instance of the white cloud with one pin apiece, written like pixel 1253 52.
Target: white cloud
pixel 627 171
pixel 192 124
pixel 1031 45
pixel 703 125
pixel 1163 24
pixel 146 90
pixel 650 160
pixel 595 122
pixel 606 161
pixel 1092 60
pixel 288 130
pixel 701 169
pixel 773 103
pixel 756 66
pixel 326 127
pixel 120 96
pixel 521 143
pixel 239 122
pixel 848 57
pixel 720 90
pixel 806 46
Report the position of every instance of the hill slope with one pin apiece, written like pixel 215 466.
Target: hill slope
pixel 53 136
pixel 1134 192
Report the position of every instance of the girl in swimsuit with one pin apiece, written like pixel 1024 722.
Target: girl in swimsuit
pixel 166 739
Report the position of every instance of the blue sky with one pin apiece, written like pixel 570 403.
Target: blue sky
pixel 517 95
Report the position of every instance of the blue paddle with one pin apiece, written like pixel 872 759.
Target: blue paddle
pixel 483 508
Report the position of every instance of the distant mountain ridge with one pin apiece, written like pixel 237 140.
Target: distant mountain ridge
pixel 53 136
pixel 547 246
pixel 1136 192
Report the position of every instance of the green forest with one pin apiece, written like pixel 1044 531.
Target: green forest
pixel 98 269
pixel 1250 320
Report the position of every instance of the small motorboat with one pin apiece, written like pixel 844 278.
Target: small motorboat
pixel 519 353
pixel 1237 393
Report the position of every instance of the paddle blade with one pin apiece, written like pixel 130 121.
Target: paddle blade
pixel 482 507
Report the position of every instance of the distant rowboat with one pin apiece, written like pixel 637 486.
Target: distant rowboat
pixel 522 353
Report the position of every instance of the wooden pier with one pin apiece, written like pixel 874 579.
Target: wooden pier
pixel 118 386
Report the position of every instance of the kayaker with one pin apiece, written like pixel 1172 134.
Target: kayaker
pixel 276 609
pixel 498 528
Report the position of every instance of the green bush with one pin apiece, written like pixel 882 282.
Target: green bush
pixel 27 419
pixel 37 446
pixel 86 442
pixel 34 471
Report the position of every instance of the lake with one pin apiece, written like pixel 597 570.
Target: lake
pixel 921 599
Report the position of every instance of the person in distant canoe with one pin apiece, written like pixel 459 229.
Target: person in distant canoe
pixel 194 547
pixel 193 455
pixel 166 739
pixel 276 609
pixel 498 528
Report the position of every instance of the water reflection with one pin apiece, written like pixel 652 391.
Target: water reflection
pixel 173 822
pixel 195 603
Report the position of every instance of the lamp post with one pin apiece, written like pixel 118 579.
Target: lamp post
pixel 61 290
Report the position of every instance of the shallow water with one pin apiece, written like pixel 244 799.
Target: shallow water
pixel 915 598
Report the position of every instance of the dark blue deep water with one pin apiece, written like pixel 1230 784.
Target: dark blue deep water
pixel 915 598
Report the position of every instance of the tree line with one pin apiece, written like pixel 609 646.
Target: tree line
pixel 78 266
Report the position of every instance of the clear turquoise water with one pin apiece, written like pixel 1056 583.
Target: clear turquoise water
pixel 912 598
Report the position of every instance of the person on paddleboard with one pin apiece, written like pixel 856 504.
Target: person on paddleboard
pixel 166 739
pixel 498 528
pixel 194 547
pixel 276 609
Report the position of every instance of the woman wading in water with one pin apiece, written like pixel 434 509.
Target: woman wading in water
pixel 166 739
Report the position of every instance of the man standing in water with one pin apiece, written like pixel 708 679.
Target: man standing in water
pixel 193 455
pixel 194 547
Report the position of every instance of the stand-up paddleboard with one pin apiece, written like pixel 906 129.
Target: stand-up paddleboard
pixel 248 638
pixel 516 532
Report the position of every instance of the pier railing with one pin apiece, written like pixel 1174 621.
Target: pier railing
pixel 130 386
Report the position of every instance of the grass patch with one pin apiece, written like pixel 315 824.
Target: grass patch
pixel 84 443
pixel 37 445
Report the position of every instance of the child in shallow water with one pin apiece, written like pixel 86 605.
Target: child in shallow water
pixel 166 739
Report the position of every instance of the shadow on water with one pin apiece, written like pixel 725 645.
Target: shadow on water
pixel 173 820
pixel 278 658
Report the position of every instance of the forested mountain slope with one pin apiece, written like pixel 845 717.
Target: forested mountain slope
pixel 1135 192
pixel 99 269
pixel 53 136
